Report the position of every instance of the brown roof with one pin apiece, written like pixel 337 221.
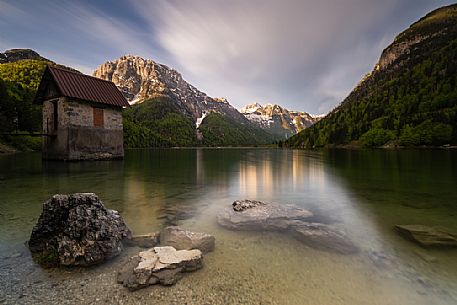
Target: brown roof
pixel 81 86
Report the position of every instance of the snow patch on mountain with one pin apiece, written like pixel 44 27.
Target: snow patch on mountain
pixel 200 119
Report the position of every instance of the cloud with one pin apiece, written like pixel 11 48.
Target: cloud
pixel 304 54
pixel 265 49
pixel 8 12
pixel 71 33
pixel 299 53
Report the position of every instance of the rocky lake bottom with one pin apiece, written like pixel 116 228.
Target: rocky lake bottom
pixel 365 194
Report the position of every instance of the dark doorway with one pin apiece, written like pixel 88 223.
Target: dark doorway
pixel 56 115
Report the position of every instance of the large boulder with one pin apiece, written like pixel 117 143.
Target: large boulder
pixel 182 239
pixel 299 222
pixel 428 236
pixel 77 230
pixel 159 265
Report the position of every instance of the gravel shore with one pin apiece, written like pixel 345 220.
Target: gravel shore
pixel 24 282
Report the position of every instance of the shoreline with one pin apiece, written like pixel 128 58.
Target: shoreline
pixel 8 150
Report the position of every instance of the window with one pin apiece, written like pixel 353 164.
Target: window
pixel 98 117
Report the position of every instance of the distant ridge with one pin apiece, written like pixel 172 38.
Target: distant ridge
pixel 277 119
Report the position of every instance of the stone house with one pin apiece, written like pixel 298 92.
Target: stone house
pixel 82 116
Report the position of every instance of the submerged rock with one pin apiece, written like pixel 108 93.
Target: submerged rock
pixel 159 265
pixel 428 236
pixel 299 222
pixel 182 239
pixel 261 216
pixel 323 237
pixel 144 240
pixel 76 230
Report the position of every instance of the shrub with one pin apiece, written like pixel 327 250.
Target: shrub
pixel 377 137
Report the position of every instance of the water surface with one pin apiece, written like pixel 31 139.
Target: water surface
pixel 364 192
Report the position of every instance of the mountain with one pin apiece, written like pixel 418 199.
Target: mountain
pixel 220 130
pixel 14 55
pixel 20 55
pixel 168 111
pixel 410 97
pixel 142 79
pixel 159 122
pixel 278 120
pixel 169 114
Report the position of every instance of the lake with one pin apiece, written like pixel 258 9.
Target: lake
pixel 363 192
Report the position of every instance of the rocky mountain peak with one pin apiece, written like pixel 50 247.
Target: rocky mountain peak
pixel 277 119
pixel 221 100
pixel 140 79
pixel 250 108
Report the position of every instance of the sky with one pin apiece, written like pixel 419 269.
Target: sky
pixel 305 55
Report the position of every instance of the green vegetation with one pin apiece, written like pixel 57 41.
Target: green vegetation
pixel 426 133
pixel 376 137
pixel 413 101
pixel 219 130
pixel 18 84
pixel 157 123
pixel 48 258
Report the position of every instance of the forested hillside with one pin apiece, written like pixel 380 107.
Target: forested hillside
pixel 219 130
pixel 158 122
pixel 409 99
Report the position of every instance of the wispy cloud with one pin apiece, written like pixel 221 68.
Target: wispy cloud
pixel 72 33
pixel 296 52
pixel 304 54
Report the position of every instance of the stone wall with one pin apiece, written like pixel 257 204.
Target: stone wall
pixel 76 138
pixel 91 143
pixel 77 113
